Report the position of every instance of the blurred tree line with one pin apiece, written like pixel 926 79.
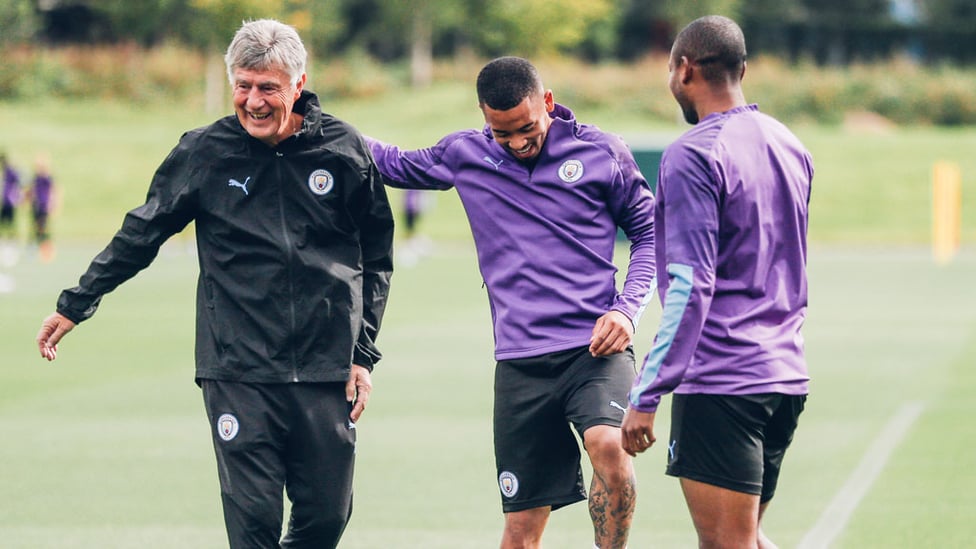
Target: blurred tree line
pixel 910 61
pixel 829 32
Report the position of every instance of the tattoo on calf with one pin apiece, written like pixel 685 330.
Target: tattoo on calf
pixel 611 510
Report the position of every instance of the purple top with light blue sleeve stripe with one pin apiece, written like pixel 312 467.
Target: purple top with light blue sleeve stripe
pixel 544 234
pixel 731 236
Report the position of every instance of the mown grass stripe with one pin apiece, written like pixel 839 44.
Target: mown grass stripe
pixel 845 502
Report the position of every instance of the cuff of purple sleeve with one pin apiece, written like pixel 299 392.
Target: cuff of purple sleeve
pixel 648 405
pixel 623 311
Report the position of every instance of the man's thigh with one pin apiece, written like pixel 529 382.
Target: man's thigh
pixel 722 440
pixel 536 453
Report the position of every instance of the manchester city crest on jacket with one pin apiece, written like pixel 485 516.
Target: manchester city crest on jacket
pixel 321 182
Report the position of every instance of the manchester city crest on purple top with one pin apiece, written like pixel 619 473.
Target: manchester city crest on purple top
pixel 571 171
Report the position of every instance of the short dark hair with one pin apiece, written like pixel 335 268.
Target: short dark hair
pixel 716 44
pixel 506 82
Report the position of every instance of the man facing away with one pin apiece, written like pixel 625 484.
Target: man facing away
pixel 294 233
pixel 731 232
pixel 544 196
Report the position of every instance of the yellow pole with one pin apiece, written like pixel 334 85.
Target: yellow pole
pixel 946 210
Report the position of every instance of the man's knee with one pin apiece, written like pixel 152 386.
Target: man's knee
pixel 316 525
pixel 602 444
pixel 523 529
pixel 252 526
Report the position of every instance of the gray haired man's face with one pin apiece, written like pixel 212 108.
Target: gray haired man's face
pixel 263 100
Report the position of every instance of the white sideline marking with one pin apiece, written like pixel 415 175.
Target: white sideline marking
pixel 835 516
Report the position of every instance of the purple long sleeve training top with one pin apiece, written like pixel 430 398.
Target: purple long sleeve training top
pixel 544 234
pixel 731 225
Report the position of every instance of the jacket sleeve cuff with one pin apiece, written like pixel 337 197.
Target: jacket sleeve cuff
pixel 364 359
pixel 73 313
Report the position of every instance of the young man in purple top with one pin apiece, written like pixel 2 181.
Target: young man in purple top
pixel 544 196
pixel 731 224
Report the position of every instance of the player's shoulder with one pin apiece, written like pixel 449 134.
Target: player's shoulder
pixel 462 144
pixel 468 136
pixel 611 144
pixel 691 149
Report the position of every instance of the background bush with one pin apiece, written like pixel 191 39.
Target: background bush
pixel 902 91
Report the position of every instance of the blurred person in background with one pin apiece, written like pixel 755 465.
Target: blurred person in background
pixel 9 202
pixel 294 232
pixel 44 200
pixel 731 234
pixel 415 245
pixel 545 195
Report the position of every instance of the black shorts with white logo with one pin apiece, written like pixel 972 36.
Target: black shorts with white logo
pixel 735 442
pixel 538 403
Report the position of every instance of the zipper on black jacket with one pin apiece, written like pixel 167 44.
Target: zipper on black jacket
pixel 289 262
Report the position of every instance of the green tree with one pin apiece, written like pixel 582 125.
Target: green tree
pixel 17 21
pixel 534 28
pixel 682 13
pixel 773 26
pixel 418 21
pixel 146 23
pixel 211 30
pixel 646 26
pixel 320 23
pixel 950 30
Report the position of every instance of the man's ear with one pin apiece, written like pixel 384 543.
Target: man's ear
pixel 687 70
pixel 300 85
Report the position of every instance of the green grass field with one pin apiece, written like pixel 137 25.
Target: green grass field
pixel 109 447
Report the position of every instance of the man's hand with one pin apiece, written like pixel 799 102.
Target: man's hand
pixel 637 431
pixel 357 390
pixel 52 330
pixel 612 334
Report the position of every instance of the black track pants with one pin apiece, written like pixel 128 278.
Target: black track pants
pixel 270 437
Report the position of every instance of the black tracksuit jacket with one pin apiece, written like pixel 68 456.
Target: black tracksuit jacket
pixel 294 244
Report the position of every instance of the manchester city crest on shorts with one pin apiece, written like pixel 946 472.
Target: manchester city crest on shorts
pixel 227 427
pixel 321 182
pixel 571 171
pixel 508 482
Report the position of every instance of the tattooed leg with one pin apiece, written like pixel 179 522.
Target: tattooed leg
pixel 613 490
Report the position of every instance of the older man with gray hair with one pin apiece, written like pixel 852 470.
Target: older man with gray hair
pixel 294 233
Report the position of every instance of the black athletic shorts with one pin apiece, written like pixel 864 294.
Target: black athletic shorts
pixel 536 400
pixel 735 442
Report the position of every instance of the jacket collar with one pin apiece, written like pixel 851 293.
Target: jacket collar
pixel 308 106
